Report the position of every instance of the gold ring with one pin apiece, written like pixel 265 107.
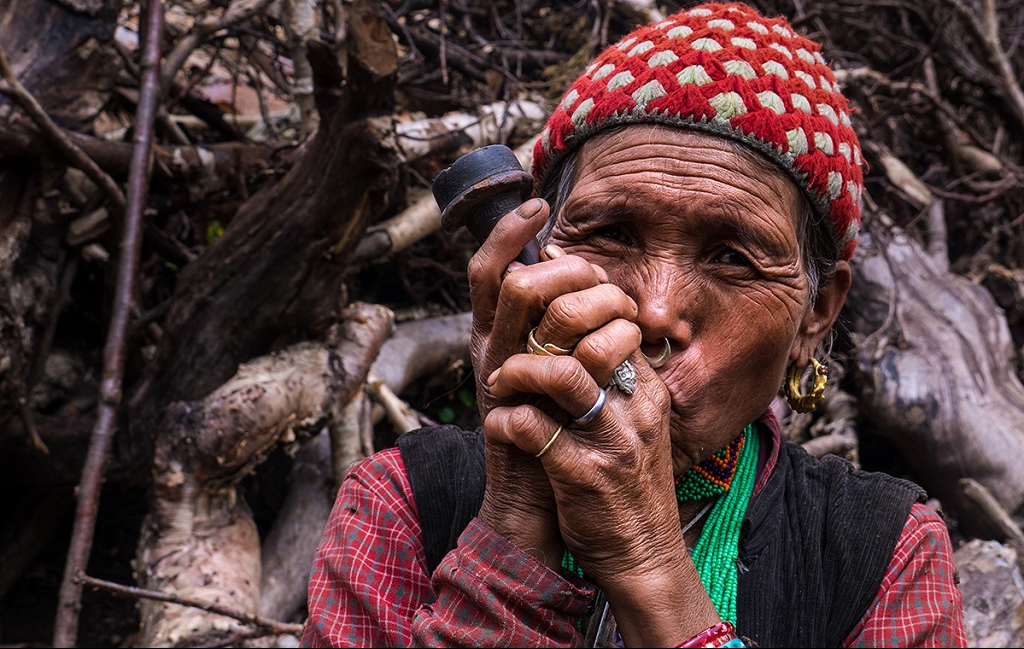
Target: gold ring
pixel 547 349
pixel 551 441
pixel 657 361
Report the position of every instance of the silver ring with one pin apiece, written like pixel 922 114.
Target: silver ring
pixel 657 361
pixel 591 414
pixel 624 378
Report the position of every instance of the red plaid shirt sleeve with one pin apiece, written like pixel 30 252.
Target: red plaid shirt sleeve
pixel 368 585
pixel 919 603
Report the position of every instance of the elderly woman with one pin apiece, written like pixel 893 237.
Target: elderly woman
pixel 703 180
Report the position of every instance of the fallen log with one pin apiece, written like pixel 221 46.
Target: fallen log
pixel 199 540
pixel 936 375
pixel 416 349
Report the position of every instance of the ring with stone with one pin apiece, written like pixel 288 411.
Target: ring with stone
pixel 624 378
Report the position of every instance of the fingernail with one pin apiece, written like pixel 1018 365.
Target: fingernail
pixel 529 209
pixel 493 377
pixel 602 274
pixel 551 251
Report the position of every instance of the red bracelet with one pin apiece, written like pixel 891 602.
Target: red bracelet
pixel 716 636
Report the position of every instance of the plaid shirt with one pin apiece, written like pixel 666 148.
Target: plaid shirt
pixel 369 588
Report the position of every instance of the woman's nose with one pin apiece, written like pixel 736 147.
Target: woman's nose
pixel 662 314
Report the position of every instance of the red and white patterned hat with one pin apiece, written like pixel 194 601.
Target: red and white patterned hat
pixel 727 70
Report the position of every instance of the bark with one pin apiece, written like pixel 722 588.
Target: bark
pixel 199 539
pixel 416 349
pixel 287 553
pixel 206 167
pixel 64 57
pixel 277 272
pixel 68 68
pixel 937 376
pixel 27 289
pixel 993 590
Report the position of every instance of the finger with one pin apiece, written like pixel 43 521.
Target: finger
pixel 571 316
pixel 525 295
pixel 526 427
pixel 604 349
pixel 487 267
pixel 552 251
pixel 562 378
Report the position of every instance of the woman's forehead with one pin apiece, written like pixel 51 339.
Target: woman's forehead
pixel 644 158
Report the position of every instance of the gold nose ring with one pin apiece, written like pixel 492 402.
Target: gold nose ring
pixel 662 358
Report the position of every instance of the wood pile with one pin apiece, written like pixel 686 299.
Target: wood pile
pixel 221 271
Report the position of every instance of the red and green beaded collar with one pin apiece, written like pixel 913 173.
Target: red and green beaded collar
pixel 711 477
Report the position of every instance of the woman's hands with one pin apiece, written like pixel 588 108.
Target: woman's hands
pixel 612 478
pixel 604 489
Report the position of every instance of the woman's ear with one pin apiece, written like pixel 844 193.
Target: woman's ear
pixel 819 318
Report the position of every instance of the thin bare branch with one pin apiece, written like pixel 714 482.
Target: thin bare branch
pixel 985 28
pixel 272 627
pixel 69 601
pixel 237 12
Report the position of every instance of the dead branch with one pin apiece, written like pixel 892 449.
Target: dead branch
pixel 1008 528
pixel 257 262
pixel 237 11
pixel 287 551
pixel 417 221
pixel 69 600
pixel 936 373
pixel 199 539
pixel 401 416
pixel 488 124
pixel 984 26
pixel 264 625
pixel 12 88
pixel 415 349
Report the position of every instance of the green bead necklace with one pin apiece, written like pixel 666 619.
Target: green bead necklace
pixel 715 552
pixel 732 471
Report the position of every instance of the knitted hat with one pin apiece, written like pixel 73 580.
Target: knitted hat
pixel 726 70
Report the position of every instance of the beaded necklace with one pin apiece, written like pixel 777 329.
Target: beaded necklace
pixel 716 551
pixel 732 471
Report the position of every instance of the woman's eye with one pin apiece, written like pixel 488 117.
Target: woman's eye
pixel 613 233
pixel 732 257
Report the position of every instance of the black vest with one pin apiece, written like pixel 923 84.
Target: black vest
pixel 814 544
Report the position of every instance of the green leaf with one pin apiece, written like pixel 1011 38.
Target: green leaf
pixel 214 231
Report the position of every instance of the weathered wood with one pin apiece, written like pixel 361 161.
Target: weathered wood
pixel 278 270
pixel 415 349
pixel 936 375
pixel 64 60
pixel 64 57
pixel 27 287
pixel 993 594
pixel 287 552
pixel 199 539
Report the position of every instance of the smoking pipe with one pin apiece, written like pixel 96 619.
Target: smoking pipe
pixel 481 187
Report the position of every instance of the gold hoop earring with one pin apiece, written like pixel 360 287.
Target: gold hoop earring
pixel 810 401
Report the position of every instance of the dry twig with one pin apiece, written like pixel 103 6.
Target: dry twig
pixel 264 626
pixel 69 603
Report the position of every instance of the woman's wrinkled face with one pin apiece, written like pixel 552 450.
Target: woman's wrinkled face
pixel 705 240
